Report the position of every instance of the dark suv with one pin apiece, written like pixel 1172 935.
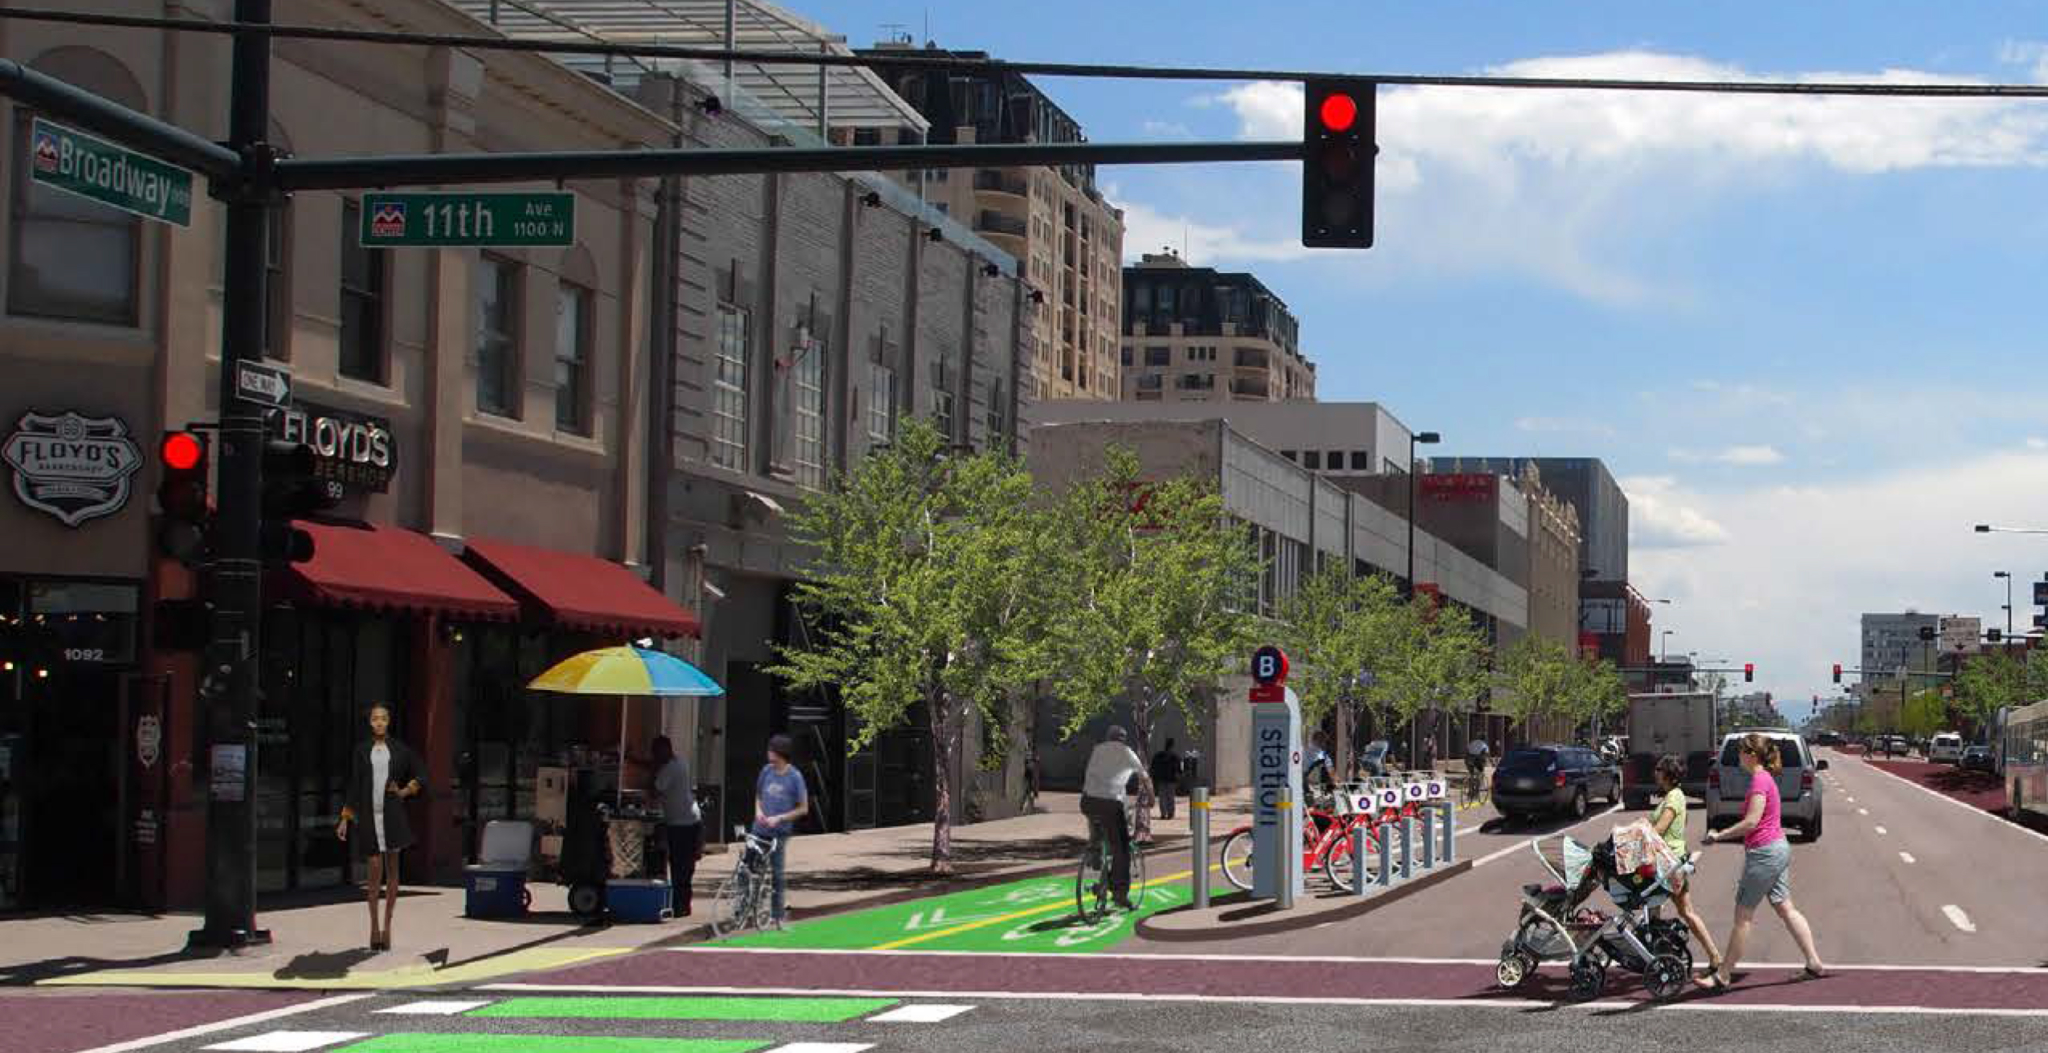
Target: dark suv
pixel 1538 780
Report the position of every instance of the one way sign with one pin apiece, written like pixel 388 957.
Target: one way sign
pixel 263 384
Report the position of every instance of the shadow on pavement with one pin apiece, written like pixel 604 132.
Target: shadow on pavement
pixel 28 974
pixel 323 965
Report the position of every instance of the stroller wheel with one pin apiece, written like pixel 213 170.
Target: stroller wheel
pixel 1513 970
pixel 1666 977
pixel 1589 980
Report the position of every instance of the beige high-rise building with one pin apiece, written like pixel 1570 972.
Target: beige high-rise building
pixel 1054 220
pixel 1195 334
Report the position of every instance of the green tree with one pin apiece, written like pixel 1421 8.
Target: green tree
pixel 1336 626
pixel 1989 682
pixel 1438 663
pixel 1924 714
pixel 1150 578
pixel 1537 678
pixel 924 587
pixel 1600 690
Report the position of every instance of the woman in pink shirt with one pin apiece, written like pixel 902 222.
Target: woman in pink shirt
pixel 1766 866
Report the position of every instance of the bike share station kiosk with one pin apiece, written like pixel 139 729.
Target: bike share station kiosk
pixel 1408 821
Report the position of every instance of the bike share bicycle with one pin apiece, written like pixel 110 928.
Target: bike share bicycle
pixel 1092 894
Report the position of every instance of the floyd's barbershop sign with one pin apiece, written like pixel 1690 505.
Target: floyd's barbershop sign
pixel 70 465
pixel 353 449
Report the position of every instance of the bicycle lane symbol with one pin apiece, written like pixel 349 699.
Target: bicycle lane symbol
pixel 1066 933
pixel 947 915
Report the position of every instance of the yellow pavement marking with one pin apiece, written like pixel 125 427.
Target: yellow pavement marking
pixel 969 926
pixel 420 975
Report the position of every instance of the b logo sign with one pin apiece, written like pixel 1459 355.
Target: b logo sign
pixel 1269 665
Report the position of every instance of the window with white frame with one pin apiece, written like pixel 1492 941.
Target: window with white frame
pixel 729 391
pixel 808 383
pixel 497 338
pixel 572 359
pixel 881 403
pixel 942 401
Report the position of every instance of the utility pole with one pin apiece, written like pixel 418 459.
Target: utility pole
pixel 229 682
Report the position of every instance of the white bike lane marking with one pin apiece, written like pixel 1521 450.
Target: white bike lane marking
pixel 1523 846
pixel 1907 857
pixel 1959 919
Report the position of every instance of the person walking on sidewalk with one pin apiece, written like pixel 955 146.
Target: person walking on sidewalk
pixel 779 801
pixel 1104 792
pixel 1766 866
pixel 1166 778
pixel 383 775
pixel 681 823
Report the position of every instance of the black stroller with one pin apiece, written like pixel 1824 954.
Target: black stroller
pixel 1555 926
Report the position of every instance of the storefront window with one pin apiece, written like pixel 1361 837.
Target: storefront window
pixel 508 733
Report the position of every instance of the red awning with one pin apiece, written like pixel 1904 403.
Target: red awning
pixel 581 592
pixel 385 568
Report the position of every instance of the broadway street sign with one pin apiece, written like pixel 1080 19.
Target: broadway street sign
pixel 468 219
pixel 77 163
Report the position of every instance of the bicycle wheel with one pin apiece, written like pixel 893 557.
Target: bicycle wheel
pixel 1237 860
pixel 737 904
pixel 1137 877
pixel 1091 884
pixel 1337 863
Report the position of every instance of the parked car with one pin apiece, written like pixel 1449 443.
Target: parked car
pixel 1945 748
pixel 1539 780
pixel 1799 787
pixel 1978 758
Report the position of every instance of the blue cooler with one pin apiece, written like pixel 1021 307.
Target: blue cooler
pixel 638 900
pixel 495 887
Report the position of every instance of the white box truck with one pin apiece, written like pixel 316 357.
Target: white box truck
pixel 1680 723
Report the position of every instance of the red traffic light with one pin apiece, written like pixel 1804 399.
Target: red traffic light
pixel 1749 670
pixel 182 451
pixel 1838 672
pixel 1339 111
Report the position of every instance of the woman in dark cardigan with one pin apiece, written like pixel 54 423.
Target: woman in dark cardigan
pixel 383 774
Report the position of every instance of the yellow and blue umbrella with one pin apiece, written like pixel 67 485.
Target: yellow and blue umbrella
pixel 625 671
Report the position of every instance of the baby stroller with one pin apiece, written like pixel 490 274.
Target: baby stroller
pixel 1555 926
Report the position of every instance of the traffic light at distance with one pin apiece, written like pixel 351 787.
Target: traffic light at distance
pixel 181 496
pixel 1337 164
pixel 1838 672
pixel 292 488
pixel 1748 672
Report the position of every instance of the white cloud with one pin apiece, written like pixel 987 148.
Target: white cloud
pixel 1560 185
pixel 2030 54
pixel 1167 130
pixel 2035 442
pixel 1663 516
pixel 1565 426
pixel 1146 229
pixel 1741 456
pixel 1799 564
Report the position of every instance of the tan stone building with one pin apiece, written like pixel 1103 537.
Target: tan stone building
pixel 486 411
pixel 1066 237
pixel 1194 334
pixel 1553 562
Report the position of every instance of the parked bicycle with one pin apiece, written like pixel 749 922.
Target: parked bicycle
pixel 1325 844
pixel 1092 895
pixel 744 897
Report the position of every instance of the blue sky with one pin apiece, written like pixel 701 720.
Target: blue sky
pixel 1808 334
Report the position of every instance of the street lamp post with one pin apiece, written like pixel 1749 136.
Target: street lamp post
pixel 1986 528
pixel 2007 575
pixel 1664 646
pixel 1426 438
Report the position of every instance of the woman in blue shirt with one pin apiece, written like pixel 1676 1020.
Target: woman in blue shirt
pixel 779 801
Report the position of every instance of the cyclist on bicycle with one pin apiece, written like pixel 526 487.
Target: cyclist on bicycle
pixel 1104 795
pixel 1475 764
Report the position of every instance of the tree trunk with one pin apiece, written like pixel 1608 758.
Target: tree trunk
pixel 942 784
pixel 1141 734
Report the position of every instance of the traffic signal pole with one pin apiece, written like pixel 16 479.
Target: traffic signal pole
pixel 229 679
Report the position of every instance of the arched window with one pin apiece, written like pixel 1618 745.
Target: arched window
pixel 69 257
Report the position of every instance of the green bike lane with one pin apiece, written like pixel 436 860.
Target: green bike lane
pixel 1032 915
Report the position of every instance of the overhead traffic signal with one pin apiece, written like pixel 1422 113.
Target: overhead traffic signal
pixel 181 496
pixel 1336 165
pixel 292 489
pixel 1748 672
pixel 1838 672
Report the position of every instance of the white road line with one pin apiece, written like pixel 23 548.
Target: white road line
pixel 1463 1005
pixel 1336 959
pixel 1881 831
pixel 1523 846
pixel 1972 809
pixel 926 1013
pixel 231 1024
pixel 287 1041
pixel 1958 918
pixel 1907 857
pixel 823 1047
pixel 434 1008
pixel 1852 800
pixel 1862 811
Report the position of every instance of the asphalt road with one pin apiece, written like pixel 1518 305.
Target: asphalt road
pixel 1900 876
pixel 999 1025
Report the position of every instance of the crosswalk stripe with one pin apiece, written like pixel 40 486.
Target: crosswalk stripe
pixel 287 1041
pixel 920 1014
pixel 434 1007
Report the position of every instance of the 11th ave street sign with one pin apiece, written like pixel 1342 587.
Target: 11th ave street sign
pixel 468 219
pixel 77 163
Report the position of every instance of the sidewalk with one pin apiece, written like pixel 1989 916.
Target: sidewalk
pixel 321 946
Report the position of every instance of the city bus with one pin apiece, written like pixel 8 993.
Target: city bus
pixel 2026 759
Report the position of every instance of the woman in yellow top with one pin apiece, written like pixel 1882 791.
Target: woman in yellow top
pixel 1670 825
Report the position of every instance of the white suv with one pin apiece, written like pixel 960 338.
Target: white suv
pixel 1945 748
pixel 1799 785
